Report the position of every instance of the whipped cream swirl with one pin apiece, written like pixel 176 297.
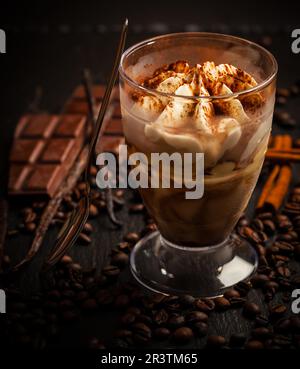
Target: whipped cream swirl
pixel 212 126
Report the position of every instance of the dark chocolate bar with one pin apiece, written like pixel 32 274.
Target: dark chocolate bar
pixel 44 149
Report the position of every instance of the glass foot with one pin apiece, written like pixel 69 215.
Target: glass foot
pixel 167 268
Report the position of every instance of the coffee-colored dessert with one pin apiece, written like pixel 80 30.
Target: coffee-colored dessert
pixel 232 131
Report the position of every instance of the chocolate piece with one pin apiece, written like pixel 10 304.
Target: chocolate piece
pixel 109 143
pixel 114 127
pixel 44 150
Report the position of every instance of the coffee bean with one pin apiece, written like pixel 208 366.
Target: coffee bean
pixel 136 208
pixel 243 288
pixel 183 335
pixel 205 305
pixel 124 246
pixel 261 333
pixel 111 271
pixel 231 293
pixel 131 237
pixel 261 321
pixel 176 321
pixel 254 345
pixel 237 302
pixel 251 309
pixel 122 333
pixel 221 303
pixel 141 333
pixel 30 227
pixel 280 100
pixel 93 211
pixel 120 259
pixel 257 224
pixel 201 328
pixel 66 259
pixel 269 227
pixel 161 333
pixel 186 300
pixel 172 303
pixel 128 319
pixel 283 92
pixel 283 271
pixel 294 90
pixel 195 316
pixel 277 310
pixel 146 319
pixel 237 340
pixel 84 238
pixel 121 301
pixel 259 280
pixel 215 341
pixel 283 325
pixel 161 317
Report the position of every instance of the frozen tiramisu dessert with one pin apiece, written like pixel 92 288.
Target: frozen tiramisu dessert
pixel 199 109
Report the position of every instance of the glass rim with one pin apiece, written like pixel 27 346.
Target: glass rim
pixel 151 91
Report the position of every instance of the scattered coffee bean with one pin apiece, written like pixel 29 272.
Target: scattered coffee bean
pixel 161 333
pixel 195 316
pixel 176 321
pixel 120 259
pixel 121 301
pixel 187 300
pixel 251 310
pixel 84 238
pixel 128 319
pixel 161 317
pixel 231 293
pixel 221 303
pixel 183 335
pixel 141 333
pixel 93 211
pixel 137 208
pixel 88 228
pixel 131 237
pixel 261 333
pixel 201 328
pixel 254 345
pixel 277 310
pixel 30 227
pixel 205 305
pixel 215 341
pixel 111 271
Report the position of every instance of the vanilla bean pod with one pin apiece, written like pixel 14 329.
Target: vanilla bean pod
pixel 52 207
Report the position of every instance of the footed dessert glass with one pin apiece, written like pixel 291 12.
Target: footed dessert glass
pixel 197 93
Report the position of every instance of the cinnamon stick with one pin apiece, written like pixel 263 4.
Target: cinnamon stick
pixel 283 156
pixel 268 186
pixel 276 196
pixel 53 205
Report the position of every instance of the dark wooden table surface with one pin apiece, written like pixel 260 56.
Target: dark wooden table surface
pixel 52 59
